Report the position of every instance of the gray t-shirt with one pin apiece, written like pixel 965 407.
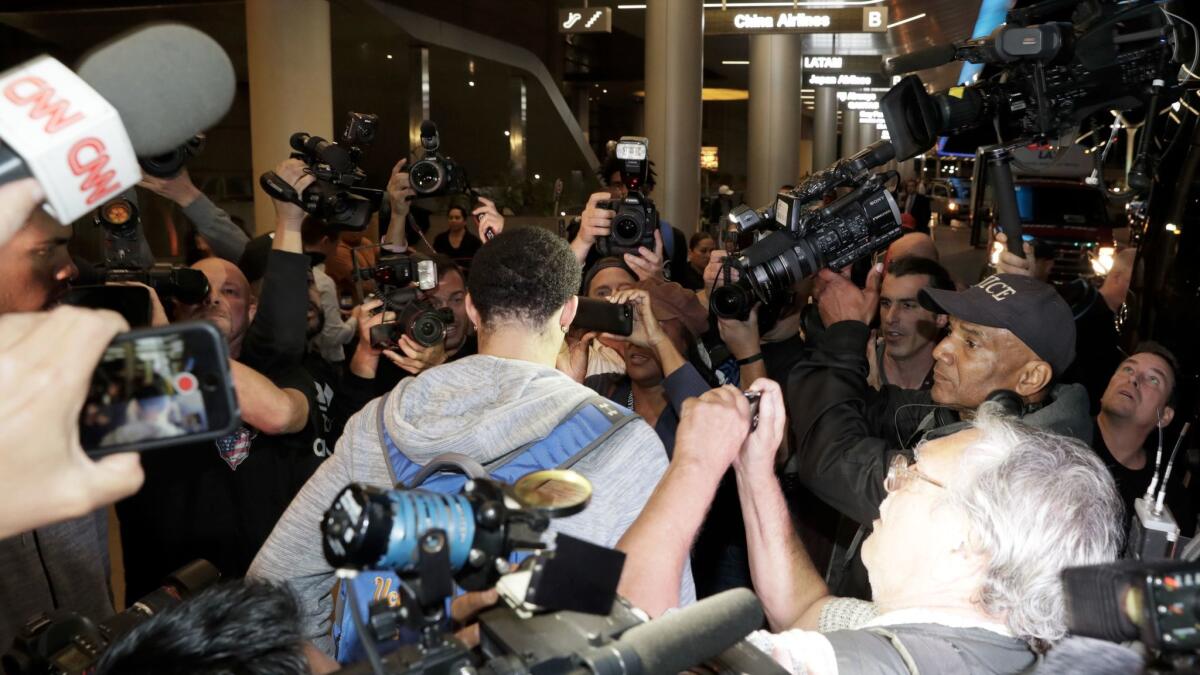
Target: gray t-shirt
pixel 480 406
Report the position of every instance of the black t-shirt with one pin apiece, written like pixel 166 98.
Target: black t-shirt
pixel 1132 483
pixel 465 251
pixel 217 500
pixel 330 414
pixel 1097 344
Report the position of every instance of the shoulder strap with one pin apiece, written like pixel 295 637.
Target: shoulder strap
pixel 907 657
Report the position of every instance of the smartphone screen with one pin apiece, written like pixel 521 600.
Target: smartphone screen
pixel 159 387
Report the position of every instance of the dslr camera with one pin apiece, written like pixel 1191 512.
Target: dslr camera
pixel 419 319
pixel 435 174
pixel 636 218
pixel 337 196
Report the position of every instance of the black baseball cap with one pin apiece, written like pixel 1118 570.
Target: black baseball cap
pixel 1030 309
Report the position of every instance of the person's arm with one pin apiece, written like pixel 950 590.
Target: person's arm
pixel 791 589
pixel 336 331
pixel 277 335
pixel 266 407
pixel 593 224
pixel 213 223
pixel 744 344
pixel 659 542
pixel 841 459
pixel 399 194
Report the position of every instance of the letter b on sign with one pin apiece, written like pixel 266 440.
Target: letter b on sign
pixel 875 20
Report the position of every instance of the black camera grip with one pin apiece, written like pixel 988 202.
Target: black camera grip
pixel 1005 191
pixel 278 188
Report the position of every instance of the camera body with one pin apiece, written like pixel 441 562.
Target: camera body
pixel 400 270
pixel 67 642
pixel 419 320
pixel 435 174
pixel 807 239
pixel 169 164
pixel 636 218
pixel 337 196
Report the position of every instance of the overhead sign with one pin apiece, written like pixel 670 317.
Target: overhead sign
pixel 585 20
pixel 843 80
pixel 843 64
pixel 708 158
pixel 850 20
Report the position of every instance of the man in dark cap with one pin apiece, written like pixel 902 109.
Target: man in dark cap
pixel 1010 337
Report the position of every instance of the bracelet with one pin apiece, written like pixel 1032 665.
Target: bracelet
pixel 750 359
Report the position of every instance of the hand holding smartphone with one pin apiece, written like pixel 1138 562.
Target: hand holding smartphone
pixel 159 387
pixel 603 316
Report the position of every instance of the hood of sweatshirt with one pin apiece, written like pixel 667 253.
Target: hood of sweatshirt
pixel 480 406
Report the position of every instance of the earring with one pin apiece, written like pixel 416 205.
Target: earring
pixel 564 328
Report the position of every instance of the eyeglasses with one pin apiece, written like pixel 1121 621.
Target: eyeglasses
pixel 901 472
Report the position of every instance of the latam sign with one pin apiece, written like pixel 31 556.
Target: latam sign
pixel 71 139
pixel 852 20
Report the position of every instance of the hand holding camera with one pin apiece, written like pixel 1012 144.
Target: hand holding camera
pixel 647 264
pixel 595 223
pixel 42 464
pixel 488 217
pixel 838 299
pixel 295 173
pixel 178 188
pixel 768 422
pixel 713 429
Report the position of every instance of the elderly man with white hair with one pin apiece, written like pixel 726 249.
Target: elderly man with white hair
pixel 964 560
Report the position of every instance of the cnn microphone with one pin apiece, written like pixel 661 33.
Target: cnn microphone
pixel 80 133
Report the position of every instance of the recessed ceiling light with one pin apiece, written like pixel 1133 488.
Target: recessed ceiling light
pixel 733 62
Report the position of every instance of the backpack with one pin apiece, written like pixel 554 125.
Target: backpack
pixel 584 429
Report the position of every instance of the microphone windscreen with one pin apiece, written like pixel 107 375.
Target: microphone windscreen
pixel 428 128
pixel 921 60
pixel 692 635
pixel 168 82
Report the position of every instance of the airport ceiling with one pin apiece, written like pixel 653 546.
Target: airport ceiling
pixel 62 24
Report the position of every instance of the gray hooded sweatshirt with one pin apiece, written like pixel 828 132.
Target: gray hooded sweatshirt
pixel 480 406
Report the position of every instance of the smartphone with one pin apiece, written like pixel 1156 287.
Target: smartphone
pixel 604 316
pixel 159 387
pixel 131 302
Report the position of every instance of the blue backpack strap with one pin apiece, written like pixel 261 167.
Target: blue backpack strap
pixel 668 237
pixel 585 428
pixel 403 469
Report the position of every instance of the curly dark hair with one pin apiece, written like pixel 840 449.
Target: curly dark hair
pixel 245 627
pixel 525 274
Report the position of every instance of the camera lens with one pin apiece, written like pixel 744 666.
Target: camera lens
pixel 731 301
pixel 426 177
pixel 428 329
pixel 627 231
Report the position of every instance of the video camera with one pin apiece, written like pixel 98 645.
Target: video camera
pixel 336 197
pixel 419 319
pixel 1052 77
pixel 637 218
pixel 67 643
pixel 807 235
pixel 558 614
pixel 124 262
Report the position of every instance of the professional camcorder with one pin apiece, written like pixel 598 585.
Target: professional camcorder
pixel 807 235
pixel 124 262
pixel 636 218
pixel 436 174
pixel 558 612
pixel 67 642
pixel 337 196
pixel 419 319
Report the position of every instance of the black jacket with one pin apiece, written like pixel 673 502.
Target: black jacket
pixel 846 431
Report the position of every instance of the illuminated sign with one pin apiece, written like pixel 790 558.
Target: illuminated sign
pixel 844 80
pixel 585 20
pixel 844 64
pixel 849 20
pixel 708 158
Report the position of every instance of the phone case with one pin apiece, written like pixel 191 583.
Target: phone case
pixel 604 316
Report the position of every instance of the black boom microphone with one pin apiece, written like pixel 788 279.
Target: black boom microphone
pixel 921 59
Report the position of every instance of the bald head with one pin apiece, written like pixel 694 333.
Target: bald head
pixel 915 244
pixel 229 305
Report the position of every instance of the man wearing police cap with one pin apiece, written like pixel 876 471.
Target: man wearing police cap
pixel 1010 337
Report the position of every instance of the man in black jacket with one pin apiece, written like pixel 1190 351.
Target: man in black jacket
pixel 1008 332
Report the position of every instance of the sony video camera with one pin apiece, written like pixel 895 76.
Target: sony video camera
pixel 436 174
pixel 66 642
pixel 1155 603
pixel 419 319
pixel 1088 57
pixel 337 196
pixel 808 235
pixel 636 218
pixel 170 163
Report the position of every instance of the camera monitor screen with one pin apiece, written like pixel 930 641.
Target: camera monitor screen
pixel 155 390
